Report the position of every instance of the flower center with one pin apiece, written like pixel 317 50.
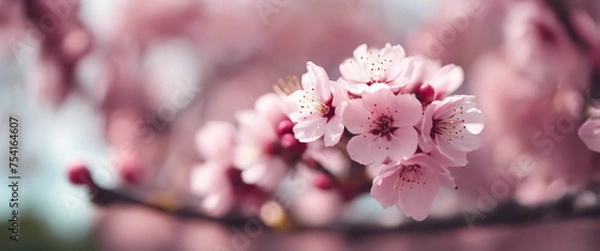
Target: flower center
pixel 450 127
pixel 376 65
pixel 310 103
pixel 384 127
pixel 409 176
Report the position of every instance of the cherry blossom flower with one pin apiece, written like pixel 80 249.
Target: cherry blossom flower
pixel 411 185
pixel 422 70
pixel 384 124
pixel 257 153
pixel 217 181
pixel 368 67
pixel 589 132
pixel 215 142
pixel 209 180
pixel 538 44
pixel 316 109
pixel 450 127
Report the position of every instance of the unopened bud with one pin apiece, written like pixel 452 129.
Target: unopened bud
pixel 289 142
pixel 425 93
pixel 132 171
pixel 79 174
pixel 285 127
pixel 322 181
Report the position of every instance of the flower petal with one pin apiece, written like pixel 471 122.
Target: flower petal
pixel 406 110
pixel 473 121
pixel 355 117
pixel 447 150
pixel 378 98
pixel 216 141
pixel 333 131
pixel 425 141
pixel 423 69
pixel 339 94
pixel 271 107
pixel 416 200
pixel 309 131
pixel 255 172
pixel 353 69
pixel 589 132
pixel 383 189
pixel 404 143
pixel 465 141
pixel 277 169
pixel 316 80
pixel 446 80
pixel 366 149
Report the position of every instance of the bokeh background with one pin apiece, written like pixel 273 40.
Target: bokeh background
pixel 83 75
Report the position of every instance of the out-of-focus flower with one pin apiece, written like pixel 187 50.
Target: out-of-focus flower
pixel 411 185
pixel 366 68
pixel 529 111
pixel 589 132
pixel 210 181
pixel 316 109
pixel 216 141
pixel 422 70
pixel 451 127
pixel 63 44
pixel 536 42
pixel 258 153
pixel 384 124
pixel 217 180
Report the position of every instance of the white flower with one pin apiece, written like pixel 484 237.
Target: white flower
pixel 316 108
pixel 366 68
pixel 450 127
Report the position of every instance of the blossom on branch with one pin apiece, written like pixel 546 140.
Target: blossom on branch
pixel 411 185
pixel 316 109
pixel 384 124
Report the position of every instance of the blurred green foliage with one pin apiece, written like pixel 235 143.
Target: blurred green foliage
pixel 34 235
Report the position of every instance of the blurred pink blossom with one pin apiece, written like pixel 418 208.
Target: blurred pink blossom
pixel 589 131
pixel 258 143
pixel 423 70
pixel 538 44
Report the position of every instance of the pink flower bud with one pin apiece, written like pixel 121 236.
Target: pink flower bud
pixel 79 174
pixel 289 142
pixel 425 93
pixel 285 127
pixel 132 171
pixel 322 181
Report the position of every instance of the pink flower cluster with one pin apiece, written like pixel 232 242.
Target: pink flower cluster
pixel 387 111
